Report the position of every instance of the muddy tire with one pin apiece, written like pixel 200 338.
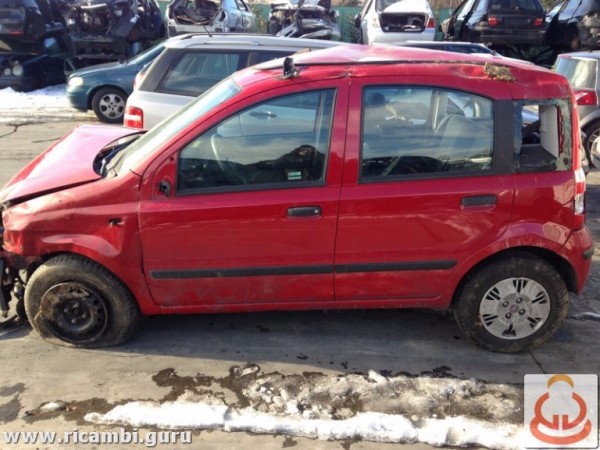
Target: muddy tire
pixel 109 105
pixel 74 302
pixel 513 304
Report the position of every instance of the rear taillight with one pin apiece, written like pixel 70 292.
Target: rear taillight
pixel 579 201
pixel 493 21
pixel 586 98
pixel 134 117
pixel 538 22
pixel 431 23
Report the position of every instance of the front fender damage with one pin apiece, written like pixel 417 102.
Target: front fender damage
pixel 10 285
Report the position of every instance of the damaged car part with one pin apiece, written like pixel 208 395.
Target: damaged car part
pixel 110 30
pixel 193 16
pixel 313 19
pixel 394 21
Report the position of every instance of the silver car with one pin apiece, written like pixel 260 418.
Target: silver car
pixel 192 64
pixel 582 71
pixel 192 16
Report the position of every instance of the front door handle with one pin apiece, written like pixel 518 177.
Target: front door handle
pixel 478 200
pixel 305 211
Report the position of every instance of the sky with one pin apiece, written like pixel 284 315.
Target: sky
pixel 436 410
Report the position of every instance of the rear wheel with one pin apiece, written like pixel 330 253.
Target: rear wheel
pixel 75 302
pixel 512 304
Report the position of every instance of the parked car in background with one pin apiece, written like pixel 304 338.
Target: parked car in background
pixel 312 19
pixel 191 65
pixel 34 45
pixel 573 24
pixel 496 22
pixel 331 179
pixel 582 71
pixel 204 16
pixel 28 65
pixel 391 21
pixel 104 88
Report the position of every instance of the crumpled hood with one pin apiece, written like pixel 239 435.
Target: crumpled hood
pixel 68 162
pixel 408 6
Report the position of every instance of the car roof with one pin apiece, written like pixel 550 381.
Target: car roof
pixel 586 54
pixel 245 40
pixel 523 79
pixel 391 54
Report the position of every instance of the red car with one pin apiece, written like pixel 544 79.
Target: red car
pixel 380 177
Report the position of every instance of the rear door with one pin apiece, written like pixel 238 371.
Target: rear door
pixel 421 191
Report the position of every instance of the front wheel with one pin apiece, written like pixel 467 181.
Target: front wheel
pixel 512 304
pixel 109 104
pixel 75 302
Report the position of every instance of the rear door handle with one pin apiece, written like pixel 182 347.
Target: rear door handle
pixel 304 211
pixel 478 200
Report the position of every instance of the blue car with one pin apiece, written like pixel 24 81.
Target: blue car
pixel 105 87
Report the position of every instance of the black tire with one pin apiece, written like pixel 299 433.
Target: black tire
pixel 513 304
pixel 109 104
pixel 74 302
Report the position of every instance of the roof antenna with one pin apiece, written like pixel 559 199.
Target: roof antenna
pixel 289 69
pixel 207 32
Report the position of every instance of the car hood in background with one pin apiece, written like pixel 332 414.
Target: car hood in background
pixel 68 162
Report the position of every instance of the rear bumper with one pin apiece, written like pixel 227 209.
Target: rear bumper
pixel 500 36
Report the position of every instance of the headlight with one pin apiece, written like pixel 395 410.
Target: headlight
pixel 75 81
pixel 17 70
pixel 6 72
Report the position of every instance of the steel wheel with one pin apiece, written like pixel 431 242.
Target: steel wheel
pixel 514 308
pixel 74 312
pixel 73 301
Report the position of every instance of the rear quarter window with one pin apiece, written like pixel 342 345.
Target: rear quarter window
pixel 543 140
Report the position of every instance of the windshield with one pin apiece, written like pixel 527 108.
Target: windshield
pixel 147 55
pixel 16 45
pixel 173 124
pixel 581 73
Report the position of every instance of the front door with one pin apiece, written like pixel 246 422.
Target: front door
pixel 253 215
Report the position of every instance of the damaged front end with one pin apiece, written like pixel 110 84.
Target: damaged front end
pixel 111 29
pixel 11 283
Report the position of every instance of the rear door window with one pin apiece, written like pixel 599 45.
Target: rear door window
pixel 412 131
pixel 195 72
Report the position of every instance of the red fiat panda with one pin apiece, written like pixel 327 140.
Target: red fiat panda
pixel 369 178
